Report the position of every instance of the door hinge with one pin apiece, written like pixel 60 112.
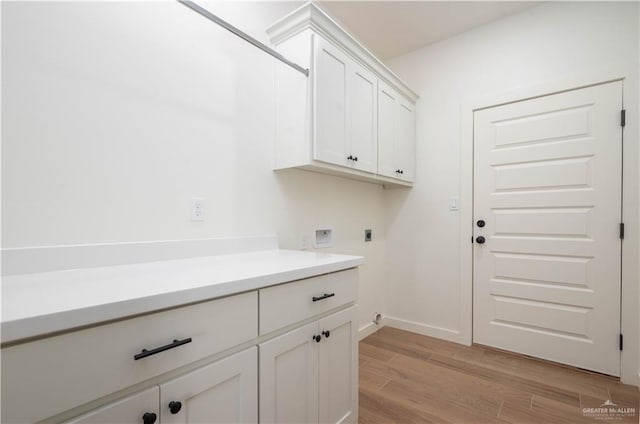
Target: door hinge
pixel 623 117
pixel 622 231
pixel 620 341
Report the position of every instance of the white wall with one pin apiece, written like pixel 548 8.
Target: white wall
pixel 115 114
pixel 554 41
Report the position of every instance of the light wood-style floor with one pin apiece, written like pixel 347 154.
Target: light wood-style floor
pixel 409 378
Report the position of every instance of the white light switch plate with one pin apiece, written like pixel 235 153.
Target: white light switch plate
pixel 454 204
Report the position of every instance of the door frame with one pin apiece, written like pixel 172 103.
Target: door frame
pixel 625 72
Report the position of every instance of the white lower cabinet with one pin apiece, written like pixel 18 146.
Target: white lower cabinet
pixel 298 337
pixel 309 374
pixel 222 392
pixel 338 368
pixel 139 408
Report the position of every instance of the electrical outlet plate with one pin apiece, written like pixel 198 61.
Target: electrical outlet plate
pixel 304 241
pixel 323 237
pixel 197 209
pixel 368 235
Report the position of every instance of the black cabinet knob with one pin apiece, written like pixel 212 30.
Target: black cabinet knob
pixel 480 240
pixel 480 223
pixel 326 333
pixel 175 406
pixel 149 418
pixel 349 157
pixel 401 171
pixel 355 158
pixel 317 338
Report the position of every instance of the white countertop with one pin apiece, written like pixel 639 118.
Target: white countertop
pixel 37 304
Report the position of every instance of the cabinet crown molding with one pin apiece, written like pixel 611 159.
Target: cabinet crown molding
pixel 310 16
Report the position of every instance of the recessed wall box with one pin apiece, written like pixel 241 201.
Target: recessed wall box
pixel 323 237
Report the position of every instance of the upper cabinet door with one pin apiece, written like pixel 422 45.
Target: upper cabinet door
pixel 406 140
pixel 387 104
pixel 362 114
pixel 331 68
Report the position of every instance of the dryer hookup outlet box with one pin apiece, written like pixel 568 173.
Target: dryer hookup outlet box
pixel 324 238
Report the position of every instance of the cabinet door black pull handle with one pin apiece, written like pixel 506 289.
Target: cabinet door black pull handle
pixel 326 333
pixel 317 338
pixel 149 418
pixel 324 296
pixel 355 158
pixel 349 157
pixel 175 406
pixel 144 353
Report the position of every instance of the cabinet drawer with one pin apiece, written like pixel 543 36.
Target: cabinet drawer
pixel 66 371
pixel 289 303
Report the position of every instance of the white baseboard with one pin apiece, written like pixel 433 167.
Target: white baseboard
pixel 27 260
pixel 424 329
pixel 368 329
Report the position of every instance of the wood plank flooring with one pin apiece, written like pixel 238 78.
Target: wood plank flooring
pixel 409 378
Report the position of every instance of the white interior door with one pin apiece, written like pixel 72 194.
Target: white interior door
pixel 547 184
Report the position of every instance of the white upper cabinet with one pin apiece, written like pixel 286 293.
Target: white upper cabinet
pixel 396 135
pixel 362 118
pixel 351 116
pixel 330 91
pixel 345 110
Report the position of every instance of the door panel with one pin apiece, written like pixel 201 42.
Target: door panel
pixel 387 104
pixel 338 368
pixel 547 182
pixel 363 117
pixel 406 140
pixel 128 410
pixel 223 392
pixel 289 377
pixel 330 90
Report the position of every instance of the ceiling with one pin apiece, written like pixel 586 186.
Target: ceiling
pixel 393 28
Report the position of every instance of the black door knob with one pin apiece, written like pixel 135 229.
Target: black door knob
pixel 326 333
pixel 480 223
pixel 480 240
pixel 317 338
pixel 175 406
pixel 149 418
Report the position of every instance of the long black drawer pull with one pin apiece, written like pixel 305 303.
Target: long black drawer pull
pixel 324 296
pixel 175 343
